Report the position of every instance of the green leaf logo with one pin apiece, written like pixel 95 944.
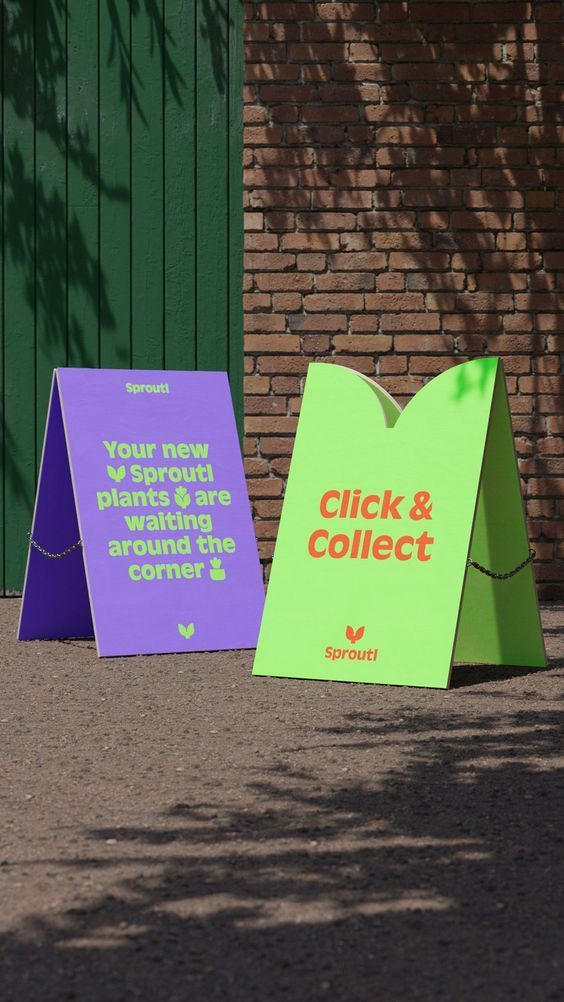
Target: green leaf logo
pixel 116 473
pixel 186 631
pixel 182 497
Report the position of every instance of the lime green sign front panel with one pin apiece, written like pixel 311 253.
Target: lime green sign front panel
pixel 371 558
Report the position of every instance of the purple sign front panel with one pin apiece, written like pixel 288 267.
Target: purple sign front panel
pixel 169 548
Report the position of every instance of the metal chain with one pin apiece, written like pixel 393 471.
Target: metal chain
pixel 53 556
pixel 508 574
pixel 471 563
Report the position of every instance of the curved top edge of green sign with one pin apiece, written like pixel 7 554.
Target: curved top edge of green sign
pixel 473 378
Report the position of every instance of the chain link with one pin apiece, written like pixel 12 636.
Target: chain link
pixel 53 556
pixel 508 574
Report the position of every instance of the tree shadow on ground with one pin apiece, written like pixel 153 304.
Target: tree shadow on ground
pixel 438 879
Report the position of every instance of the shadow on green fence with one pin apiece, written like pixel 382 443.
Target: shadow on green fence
pixel 63 301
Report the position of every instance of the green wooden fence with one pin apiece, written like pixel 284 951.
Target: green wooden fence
pixel 121 207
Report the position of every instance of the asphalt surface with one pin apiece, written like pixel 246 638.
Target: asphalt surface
pixel 173 829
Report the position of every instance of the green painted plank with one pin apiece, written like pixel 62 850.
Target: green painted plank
pixel 82 218
pixel 19 284
pixel 211 185
pixel 50 195
pixel 179 188
pixel 147 185
pixel 235 208
pixel 115 190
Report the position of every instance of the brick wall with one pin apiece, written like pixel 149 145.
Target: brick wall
pixel 404 172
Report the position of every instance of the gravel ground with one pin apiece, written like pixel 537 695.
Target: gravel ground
pixel 173 829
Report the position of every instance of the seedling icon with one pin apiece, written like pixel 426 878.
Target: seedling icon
pixel 354 635
pixel 116 473
pixel 182 497
pixel 216 573
pixel 186 631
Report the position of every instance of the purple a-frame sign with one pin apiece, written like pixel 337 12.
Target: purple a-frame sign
pixel 143 470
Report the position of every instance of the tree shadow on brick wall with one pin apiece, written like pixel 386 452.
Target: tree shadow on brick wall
pixel 440 879
pixel 471 216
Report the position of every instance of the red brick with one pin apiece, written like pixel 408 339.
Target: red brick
pixel 418 178
pixel 351 261
pixel 271 342
pixel 269 508
pixel 269 262
pixel 254 221
pixel 359 178
pixel 361 71
pixel 264 405
pixel 262 52
pixel 328 301
pixel 264 199
pixel 309 241
pixel 321 322
pixel 391 302
pixel 263 322
pixel 415 261
pixel 318 53
pixel 345 11
pixel 283 302
pixel 426 343
pixel 479 301
pixel 362 363
pixel 344 281
pixel 255 467
pixel 253 302
pixel 261 241
pixel 328 113
pixel 269 487
pixel 315 344
pixel 341 199
pixel 410 322
pixel 393 364
pixel 285 384
pixel 335 31
pixel 361 343
pixel 271 425
pixel 271 71
pixel 256 384
pixel 286 11
pixel 265 136
pixel 326 221
pixel 286 281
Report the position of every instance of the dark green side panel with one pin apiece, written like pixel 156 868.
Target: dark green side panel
pixel 121 212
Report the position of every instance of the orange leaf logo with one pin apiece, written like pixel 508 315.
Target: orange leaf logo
pixel 354 635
